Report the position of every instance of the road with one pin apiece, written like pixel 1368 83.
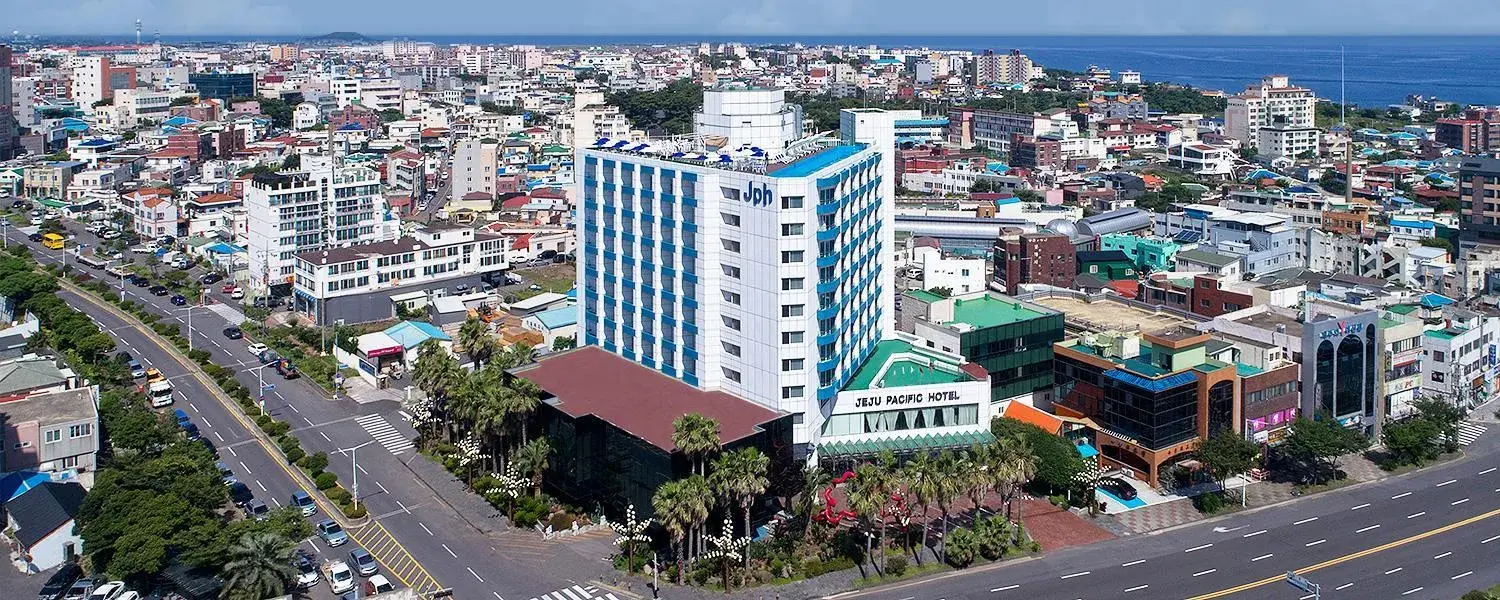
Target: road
pixel 414 532
pixel 1434 531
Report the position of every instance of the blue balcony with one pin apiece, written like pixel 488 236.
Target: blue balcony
pixel 828 287
pixel 828 313
pixel 828 338
pixel 828 235
pixel 829 260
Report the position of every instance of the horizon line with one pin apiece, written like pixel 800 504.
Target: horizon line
pixel 788 35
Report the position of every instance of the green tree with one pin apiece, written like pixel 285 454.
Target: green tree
pixel 260 566
pixel 1318 443
pixel 1226 454
pixel 869 493
pixel 493 108
pixel 949 479
pixel 1412 441
pixel 564 342
pixel 670 108
pixel 438 375
pixel 1446 416
pixel 740 477
pixel 981 186
pixel 921 474
pixel 475 337
pixel 1014 464
pixel 671 503
pixel 962 548
pixel 1057 460
pixel 391 115
pixel 696 436
pixel 533 458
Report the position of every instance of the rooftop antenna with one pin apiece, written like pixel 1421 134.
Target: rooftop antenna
pixel 1348 142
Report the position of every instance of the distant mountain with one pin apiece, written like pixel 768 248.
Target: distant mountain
pixel 340 36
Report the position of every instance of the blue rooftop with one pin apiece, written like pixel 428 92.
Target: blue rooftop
pixel 225 248
pixel 819 161
pixel 95 143
pixel 1413 224
pixel 561 316
pixel 934 122
pixel 412 333
pixel 1435 301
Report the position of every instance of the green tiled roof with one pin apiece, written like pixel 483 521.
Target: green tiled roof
pixel 989 311
pixel 1247 370
pixel 929 441
pixel 1442 334
pixel 893 370
pixel 1403 309
pixel 924 295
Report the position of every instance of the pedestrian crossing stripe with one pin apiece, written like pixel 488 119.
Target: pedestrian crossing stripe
pixel 1469 432
pixel 576 593
pixel 384 433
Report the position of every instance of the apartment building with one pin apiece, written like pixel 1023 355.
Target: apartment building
pixel 292 213
pixel 476 163
pixel 1011 67
pixel 55 432
pixel 1261 105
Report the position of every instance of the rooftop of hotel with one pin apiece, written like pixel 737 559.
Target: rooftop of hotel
pixel 898 363
pixel 800 158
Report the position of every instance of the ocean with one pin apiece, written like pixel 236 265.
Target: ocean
pixel 1380 70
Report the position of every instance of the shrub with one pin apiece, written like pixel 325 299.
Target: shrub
pixel 895 566
pixel 339 496
pixel 530 510
pixel 354 512
pixel 287 443
pixel 814 567
pixel 277 428
pixel 1209 503
pixel 317 461
pixel 326 480
pixel 262 421
pixel 296 454
pixel 561 521
pixel 199 356
pixel 963 547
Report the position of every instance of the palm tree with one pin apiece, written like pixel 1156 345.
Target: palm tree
pixel 477 340
pixel 523 400
pixel 437 374
pixel 260 566
pixel 1016 465
pixel 948 478
pixel 868 494
pixel 701 495
pixel 740 476
pixel 532 458
pixel 814 480
pixel 977 476
pixel 921 483
pixel 696 436
pixel 671 502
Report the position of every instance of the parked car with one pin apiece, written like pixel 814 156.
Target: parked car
pixel 240 493
pixel 233 333
pixel 136 370
pixel 141 281
pixel 268 357
pixel 179 300
pixel 59 583
pixel 378 584
pixel 21 204
pixel 1118 487
pixel 228 288
pixel 287 370
pixel 211 279
pixel 159 290
pixel 192 432
pixel 256 348
pixel 305 503
pixel 363 562
pixel 35 237
pixel 108 591
pixel 331 533
pixel 340 578
pixel 80 590
pixel 307 572
pixel 257 509
pixel 237 294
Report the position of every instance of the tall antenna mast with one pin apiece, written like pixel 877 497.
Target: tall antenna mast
pixel 137 32
pixel 1348 142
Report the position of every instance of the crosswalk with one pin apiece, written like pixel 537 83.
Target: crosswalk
pixel 384 433
pixel 576 593
pixel 1468 432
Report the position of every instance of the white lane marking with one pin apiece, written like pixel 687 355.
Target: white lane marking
pixel 359 466
pixel 497 595
pixel 1411 591
pixel 476 575
pixel 1197 548
pixel 1311 544
pixel 1078 574
pixel 1458 502
pixel 1365 505
pixel 325 436
pixel 1416 514
pixel 1001 589
pixel 195 407
pixel 1137 588
pixel 450 550
pixel 1488 540
pixel 291 406
pixel 247 469
pixel 424 528
pixel 1344 587
pixel 1400 495
pixel 309 422
pixel 1262 557
pixel 260 485
pixel 403 507
pixel 205 421
pixel 1488 471
pixel 1462 575
pixel 278 502
pixel 1307 520
pixel 221 438
pixel 1133 562
pixel 1450 481
pixel 382 487
pixel 1362 530
pixel 1201 573
pixel 1395 570
pixel 232 452
pixel 1443 555
pixel 1253 534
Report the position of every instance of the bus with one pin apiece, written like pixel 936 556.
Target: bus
pixel 52 240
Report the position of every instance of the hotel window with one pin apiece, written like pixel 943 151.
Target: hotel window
pixel 732 323
pixel 668 184
pixel 793 391
pixel 730 219
pixel 730 245
pixel 792 310
pixel 790 229
pixel 732 375
pixel 731 297
pixel 731 271
pixel 793 364
pixel 792 337
pixel 791 201
pixel 731 349
pixel 791 256
pixel 792 283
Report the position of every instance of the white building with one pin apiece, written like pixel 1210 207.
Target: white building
pixel 306 116
pixel 1202 159
pixel 316 209
pixel 356 283
pixel 90 78
pixel 593 119
pixel 136 106
pixel 1281 140
pixel 475 166
pixel 760 273
pixel 957 275
pixel 1260 105
pixel 379 94
pixel 1460 360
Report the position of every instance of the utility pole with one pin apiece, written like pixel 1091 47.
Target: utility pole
pixel 354 467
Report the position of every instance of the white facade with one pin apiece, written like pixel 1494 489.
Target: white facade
pixel 427 257
pixel 475 163
pixel 1202 159
pixel 958 275
pixel 306 116
pixel 1260 105
pixel 90 79
pixel 768 286
pixel 1461 358
pixel 134 107
pixel 1291 142
pixel 289 214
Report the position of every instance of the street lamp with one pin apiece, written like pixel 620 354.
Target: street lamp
pixel 260 384
pixel 189 309
pixel 354 467
pixel 4 232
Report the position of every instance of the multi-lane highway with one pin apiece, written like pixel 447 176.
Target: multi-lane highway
pixel 419 537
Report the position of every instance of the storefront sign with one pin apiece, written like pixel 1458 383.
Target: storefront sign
pixel 1340 329
pixel 383 351
pixel 905 399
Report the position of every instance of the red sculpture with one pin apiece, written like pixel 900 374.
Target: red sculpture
pixel 828 514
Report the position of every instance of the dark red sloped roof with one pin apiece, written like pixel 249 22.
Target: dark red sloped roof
pixel 636 399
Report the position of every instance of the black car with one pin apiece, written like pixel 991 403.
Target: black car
pixel 240 493
pixel 191 430
pixel 1117 487
pixel 209 445
pixel 159 290
pixel 35 237
pixel 179 300
pixel 233 333
pixel 211 279
pixel 60 581
pixel 141 281
pixel 21 204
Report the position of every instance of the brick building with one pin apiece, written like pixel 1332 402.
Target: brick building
pixel 1040 258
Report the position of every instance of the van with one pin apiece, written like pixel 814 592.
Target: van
pixel 53 241
pixel 160 393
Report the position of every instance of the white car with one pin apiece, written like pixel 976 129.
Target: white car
pixel 257 348
pixel 109 591
pixel 340 578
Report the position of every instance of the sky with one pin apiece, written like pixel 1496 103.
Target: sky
pixel 377 18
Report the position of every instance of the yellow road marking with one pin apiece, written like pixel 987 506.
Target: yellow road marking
pixel 1348 557
pixel 428 581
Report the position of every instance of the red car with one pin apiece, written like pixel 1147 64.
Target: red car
pixel 227 289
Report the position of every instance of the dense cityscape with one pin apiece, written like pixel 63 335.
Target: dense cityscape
pixel 352 317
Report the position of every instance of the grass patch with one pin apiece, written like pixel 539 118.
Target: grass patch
pixel 1318 488
pixel 1442 458
pixel 910 572
pixel 556 277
